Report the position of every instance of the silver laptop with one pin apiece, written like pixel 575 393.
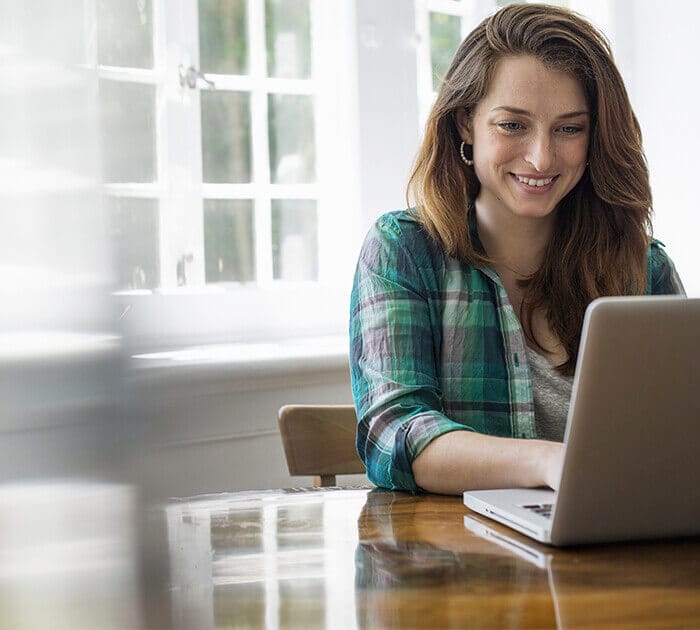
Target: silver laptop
pixel 632 464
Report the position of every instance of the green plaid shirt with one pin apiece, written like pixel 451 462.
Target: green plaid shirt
pixel 437 347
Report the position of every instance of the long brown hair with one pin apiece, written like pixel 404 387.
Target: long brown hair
pixel 603 225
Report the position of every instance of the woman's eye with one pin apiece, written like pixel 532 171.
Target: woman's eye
pixel 571 129
pixel 510 126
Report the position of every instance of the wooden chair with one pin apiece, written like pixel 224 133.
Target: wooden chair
pixel 319 440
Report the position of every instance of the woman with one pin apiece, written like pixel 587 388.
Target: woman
pixel 532 199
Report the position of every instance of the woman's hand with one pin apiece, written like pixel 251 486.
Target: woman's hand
pixel 553 461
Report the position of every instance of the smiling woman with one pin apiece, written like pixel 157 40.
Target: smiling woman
pixel 532 199
pixel 530 137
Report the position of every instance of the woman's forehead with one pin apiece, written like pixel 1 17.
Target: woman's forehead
pixel 525 83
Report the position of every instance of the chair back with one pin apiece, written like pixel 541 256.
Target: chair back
pixel 319 440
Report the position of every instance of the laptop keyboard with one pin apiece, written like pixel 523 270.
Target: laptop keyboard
pixel 544 509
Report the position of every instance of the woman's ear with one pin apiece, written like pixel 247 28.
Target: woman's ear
pixel 463 120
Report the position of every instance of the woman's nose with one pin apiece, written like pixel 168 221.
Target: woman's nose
pixel 540 152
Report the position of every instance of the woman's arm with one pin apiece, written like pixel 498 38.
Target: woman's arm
pixel 465 460
pixel 403 436
pixel 395 336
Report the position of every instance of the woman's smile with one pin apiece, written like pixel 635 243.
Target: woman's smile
pixel 535 184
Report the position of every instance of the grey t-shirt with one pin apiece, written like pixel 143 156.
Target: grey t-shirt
pixel 552 393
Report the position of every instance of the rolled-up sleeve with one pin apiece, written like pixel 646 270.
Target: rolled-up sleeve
pixel 394 336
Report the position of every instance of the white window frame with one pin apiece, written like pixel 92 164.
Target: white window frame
pixel 199 313
pixel 374 97
pixel 472 12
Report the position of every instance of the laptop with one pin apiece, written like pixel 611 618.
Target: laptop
pixel 631 468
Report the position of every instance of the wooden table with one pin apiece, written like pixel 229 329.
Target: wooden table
pixel 347 558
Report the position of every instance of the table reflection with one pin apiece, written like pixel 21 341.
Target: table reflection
pixel 266 559
pixel 415 564
pixel 347 558
pixel 418 567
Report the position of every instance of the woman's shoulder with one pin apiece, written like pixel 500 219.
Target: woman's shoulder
pixel 403 229
pixel 662 277
pixel 658 259
pixel 657 252
pixel 398 248
pixel 400 222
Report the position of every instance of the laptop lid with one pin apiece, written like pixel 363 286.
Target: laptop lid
pixel 630 470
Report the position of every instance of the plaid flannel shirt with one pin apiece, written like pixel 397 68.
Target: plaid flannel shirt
pixel 437 347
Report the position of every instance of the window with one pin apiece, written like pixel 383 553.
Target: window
pixel 129 94
pixel 245 145
pixel 443 24
pixel 247 99
pixel 218 118
pixel 258 141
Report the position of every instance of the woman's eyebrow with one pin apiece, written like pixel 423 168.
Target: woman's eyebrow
pixel 524 112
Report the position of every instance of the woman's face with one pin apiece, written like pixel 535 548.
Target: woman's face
pixel 530 136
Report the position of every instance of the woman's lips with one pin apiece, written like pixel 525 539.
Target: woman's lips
pixel 534 184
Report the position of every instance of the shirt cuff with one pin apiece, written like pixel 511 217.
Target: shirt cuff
pixel 414 436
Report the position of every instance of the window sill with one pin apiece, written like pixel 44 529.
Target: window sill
pixel 245 365
pixel 190 321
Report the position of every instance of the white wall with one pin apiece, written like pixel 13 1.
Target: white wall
pixel 660 51
pixel 214 429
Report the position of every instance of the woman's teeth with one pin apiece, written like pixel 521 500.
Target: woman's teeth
pixel 534 182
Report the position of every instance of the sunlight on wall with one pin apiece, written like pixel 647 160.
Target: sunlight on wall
pixel 68 550
pixel 665 95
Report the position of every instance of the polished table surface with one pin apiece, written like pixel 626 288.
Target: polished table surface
pixel 347 558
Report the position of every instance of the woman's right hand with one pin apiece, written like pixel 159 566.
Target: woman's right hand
pixel 553 462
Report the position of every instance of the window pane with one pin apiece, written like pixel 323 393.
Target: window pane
pixel 226 152
pixel 300 527
pixel 302 599
pixel 291 129
pixel 236 532
pixel 229 241
pixel 128 131
pixel 135 241
pixel 125 33
pixel 294 239
pixel 223 38
pixel 240 605
pixel 445 38
pixel 288 34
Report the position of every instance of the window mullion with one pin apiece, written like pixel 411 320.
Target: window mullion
pixel 90 28
pixel 330 116
pixel 261 153
pixel 424 68
pixel 181 238
pixel 448 7
pixel 165 254
pixel 475 12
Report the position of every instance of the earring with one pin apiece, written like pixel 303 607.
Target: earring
pixel 467 160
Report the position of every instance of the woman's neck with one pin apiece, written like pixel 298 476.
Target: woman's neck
pixel 514 243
